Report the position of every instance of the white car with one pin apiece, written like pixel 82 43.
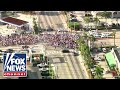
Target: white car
pixel 43 69
pixel 105 35
pixel 97 35
pixel 41 65
pixel 92 32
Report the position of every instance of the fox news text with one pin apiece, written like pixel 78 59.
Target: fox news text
pixel 14 64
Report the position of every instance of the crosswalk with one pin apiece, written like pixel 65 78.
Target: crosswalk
pixel 70 69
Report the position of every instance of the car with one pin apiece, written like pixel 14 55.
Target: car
pixel 76 54
pixel 73 20
pixel 9 51
pixel 42 65
pixel 45 73
pixel 24 47
pixel 105 35
pixel 91 32
pixel 102 24
pixel 28 32
pixel 62 31
pixel 50 29
pixel 97 35
pixel 43 69
pixel 65 51
pixel 117 24
pixel 86 29
pixel 113 25
pixel 72 15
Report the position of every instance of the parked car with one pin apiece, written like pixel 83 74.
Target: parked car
pixel 9 51
pixel 73 20
pixel 113 25
pixel 117 24
pixel 105 35
pixel 62 31
pixel 76 54
pixel 72 15
pixel 91 32
pixel 97 35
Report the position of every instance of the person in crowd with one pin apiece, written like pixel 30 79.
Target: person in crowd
pixel 56 40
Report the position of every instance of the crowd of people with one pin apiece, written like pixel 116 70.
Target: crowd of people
pixel 56 40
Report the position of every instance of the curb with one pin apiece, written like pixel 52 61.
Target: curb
pixel 83 66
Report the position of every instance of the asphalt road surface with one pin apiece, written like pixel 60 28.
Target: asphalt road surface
pixel 68 67
pixel 53 19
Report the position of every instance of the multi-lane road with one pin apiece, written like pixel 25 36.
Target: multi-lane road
pixel 68 65
pixel 52 19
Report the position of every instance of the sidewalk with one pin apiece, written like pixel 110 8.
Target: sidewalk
pixel 82 63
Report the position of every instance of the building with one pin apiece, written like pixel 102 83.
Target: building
pixel 114 14
pixel 116 54
pixel 113 58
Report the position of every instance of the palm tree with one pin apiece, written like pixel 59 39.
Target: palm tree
pixel 92 39
pixel 35 26
pixel 104 15
pixel 86 38
pixel 98 72
pixel 96 20
pixel 114 34
pixel 87 20
pixel 80 41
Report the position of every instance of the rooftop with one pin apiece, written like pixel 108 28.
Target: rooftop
pixel 110 59
pixel 13 21
pixel 117 52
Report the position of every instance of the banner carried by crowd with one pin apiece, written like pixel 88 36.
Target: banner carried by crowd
pixel 56 40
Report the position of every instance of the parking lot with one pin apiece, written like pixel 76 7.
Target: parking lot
pixel 100 60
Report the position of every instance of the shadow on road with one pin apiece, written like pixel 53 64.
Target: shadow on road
pixel 48 30
pixel 32 75
pixel 58 60
pixel 52 13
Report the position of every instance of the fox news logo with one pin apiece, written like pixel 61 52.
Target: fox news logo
pixel 14 65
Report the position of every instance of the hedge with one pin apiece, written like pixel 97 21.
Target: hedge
pixel 72 24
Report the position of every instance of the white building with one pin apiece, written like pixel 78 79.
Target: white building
pixel 116 54
pixel 114 14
